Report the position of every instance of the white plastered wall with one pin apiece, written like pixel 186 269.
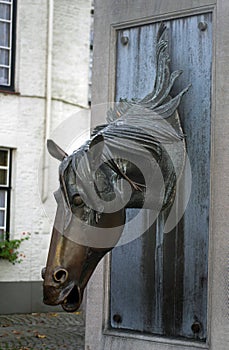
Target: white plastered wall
pixel 23 116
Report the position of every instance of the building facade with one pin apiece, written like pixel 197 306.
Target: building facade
pixel 44 60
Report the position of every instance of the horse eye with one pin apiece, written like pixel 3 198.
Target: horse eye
pixel 77 200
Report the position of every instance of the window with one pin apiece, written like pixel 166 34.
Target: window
pixel 7 43
pixel 5 188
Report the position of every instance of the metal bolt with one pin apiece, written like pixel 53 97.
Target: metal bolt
pixel 202 26
pixel 124 40
pixel 196 327
pixel 117 318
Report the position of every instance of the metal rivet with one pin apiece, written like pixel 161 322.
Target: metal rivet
pixel 124 40
pixel 202 26
pixel 196 327
pixel 117 318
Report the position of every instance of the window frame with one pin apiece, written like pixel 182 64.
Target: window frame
pixel 7 189
pixel 11 86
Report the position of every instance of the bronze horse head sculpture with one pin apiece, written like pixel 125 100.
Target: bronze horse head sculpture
pixel 104 177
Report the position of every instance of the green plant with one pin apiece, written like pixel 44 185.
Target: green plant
pixel 9 249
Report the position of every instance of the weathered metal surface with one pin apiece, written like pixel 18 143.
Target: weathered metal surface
pixel 91 201
pixel 142 145
pixel 159 282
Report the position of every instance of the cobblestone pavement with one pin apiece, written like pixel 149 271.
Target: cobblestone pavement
pixel 42 331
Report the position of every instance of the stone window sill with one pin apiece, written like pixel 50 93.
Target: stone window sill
pixel 9 92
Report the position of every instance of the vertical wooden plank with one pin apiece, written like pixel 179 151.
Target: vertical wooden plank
pixel 133 294
pixel 135 62
pixel 195 112
pixel 132 288
pixel 159 282
pixel 173 272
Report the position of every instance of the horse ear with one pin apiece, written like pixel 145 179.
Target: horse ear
pixel 55 150
pixel 96 149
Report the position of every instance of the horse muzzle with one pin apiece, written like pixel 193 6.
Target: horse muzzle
pixel 69 296
pixel 73 299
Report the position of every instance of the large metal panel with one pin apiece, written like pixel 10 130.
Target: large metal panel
pixel 159 281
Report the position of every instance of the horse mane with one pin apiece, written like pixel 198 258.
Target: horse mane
pixel 144 121
pixel 149 123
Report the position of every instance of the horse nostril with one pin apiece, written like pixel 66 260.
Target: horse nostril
pixel 60 275
pixel 43 273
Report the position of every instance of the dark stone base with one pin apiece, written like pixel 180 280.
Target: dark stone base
pixel 23 297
